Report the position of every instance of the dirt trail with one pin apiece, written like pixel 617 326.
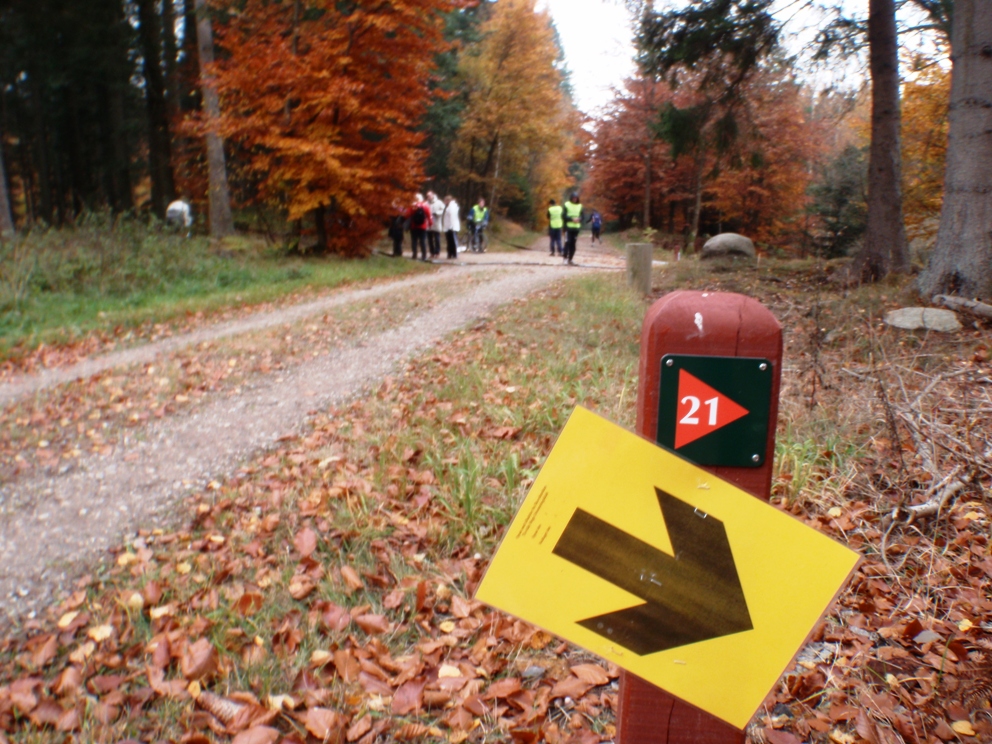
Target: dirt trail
pixel 21 387
pixel 52 527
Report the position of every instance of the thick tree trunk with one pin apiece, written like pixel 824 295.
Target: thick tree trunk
pixel 159 137
pixel 121 161
pixel 169 55
pixel 885 247
pixel 221 219
pixel 6 216
pixel 41 153
pixel 962 260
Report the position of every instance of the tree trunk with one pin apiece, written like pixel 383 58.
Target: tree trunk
pixel 697 205
pixel 120 160
pixel 885 240
pixel 159 137
pixel 6 216
pixel 320 223
pixel 170 59
pixel 961 263
pixel 41 153
pixel 649 146
pixel 189 72
pixel 221 219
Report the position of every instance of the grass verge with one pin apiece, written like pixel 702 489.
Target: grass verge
pixel 111 277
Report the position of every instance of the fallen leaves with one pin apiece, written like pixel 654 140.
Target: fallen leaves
pixel 305 542
pixel 199 660
pixel 351 579
pixel 332 578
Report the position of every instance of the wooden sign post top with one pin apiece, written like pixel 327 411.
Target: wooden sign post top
pixel 716 324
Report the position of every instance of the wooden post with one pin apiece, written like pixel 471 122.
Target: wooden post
pixel 639 257
pixel 708 324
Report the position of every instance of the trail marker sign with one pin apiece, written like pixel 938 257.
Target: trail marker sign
pixel 714 410
pixel 655 564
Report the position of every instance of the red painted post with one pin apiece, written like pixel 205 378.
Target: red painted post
pixel 711 324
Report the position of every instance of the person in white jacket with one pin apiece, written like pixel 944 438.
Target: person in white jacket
pixel 434 231
pixel 451 225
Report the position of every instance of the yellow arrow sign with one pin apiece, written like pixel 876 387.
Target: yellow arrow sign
pixel 649 561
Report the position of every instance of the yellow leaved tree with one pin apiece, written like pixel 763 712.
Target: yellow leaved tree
pixel 924 148
pixel 519 131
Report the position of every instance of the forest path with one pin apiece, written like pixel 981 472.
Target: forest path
pixel 55 526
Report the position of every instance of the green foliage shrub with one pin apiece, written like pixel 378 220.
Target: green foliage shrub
pixel 115 257
pixel 840 201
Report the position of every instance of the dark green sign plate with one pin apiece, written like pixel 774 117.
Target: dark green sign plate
pixel 714 410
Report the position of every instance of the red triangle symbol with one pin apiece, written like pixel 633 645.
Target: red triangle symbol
pixel 702 410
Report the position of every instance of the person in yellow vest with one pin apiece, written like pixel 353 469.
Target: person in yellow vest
pixel 556 221
pixel 573 223
pixel 478 220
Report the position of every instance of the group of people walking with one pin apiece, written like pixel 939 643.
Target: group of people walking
pixel 570 217
pixel 426 220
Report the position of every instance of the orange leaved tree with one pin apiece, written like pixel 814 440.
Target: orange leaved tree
pixel 321 100
pixel 632 175
pixel 761 183
pixel 754 184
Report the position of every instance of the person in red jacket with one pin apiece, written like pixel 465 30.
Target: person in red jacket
pixel 420 218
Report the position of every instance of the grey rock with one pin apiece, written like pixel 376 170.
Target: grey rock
pixel 923 318
pixel 728 244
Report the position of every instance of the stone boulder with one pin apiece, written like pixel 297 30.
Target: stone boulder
pixel 728 244
pixel 923 318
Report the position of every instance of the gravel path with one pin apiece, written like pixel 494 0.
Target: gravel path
pixel 55 526
pixel 30 384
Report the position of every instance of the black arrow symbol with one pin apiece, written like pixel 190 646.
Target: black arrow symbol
pixel 692 596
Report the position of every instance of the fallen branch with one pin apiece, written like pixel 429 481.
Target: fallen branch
pixel 937 497
pixel 976 308
pixel 944 490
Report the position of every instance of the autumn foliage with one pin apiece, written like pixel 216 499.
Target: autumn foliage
pixel 755 183
pixel 924 148
pixel 322 103
pixel 519 126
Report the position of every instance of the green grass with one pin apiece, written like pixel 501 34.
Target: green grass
pixel 103 275
pixel 509 237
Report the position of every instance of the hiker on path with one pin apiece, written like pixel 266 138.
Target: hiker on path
pixel 420 220
pixel 397 226
pixel 434 231
pixel 478 220
pixel 573 223
pixel 555 223
pixel 451 225
pixel 596 224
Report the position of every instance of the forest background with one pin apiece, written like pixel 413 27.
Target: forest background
pixel 331 114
